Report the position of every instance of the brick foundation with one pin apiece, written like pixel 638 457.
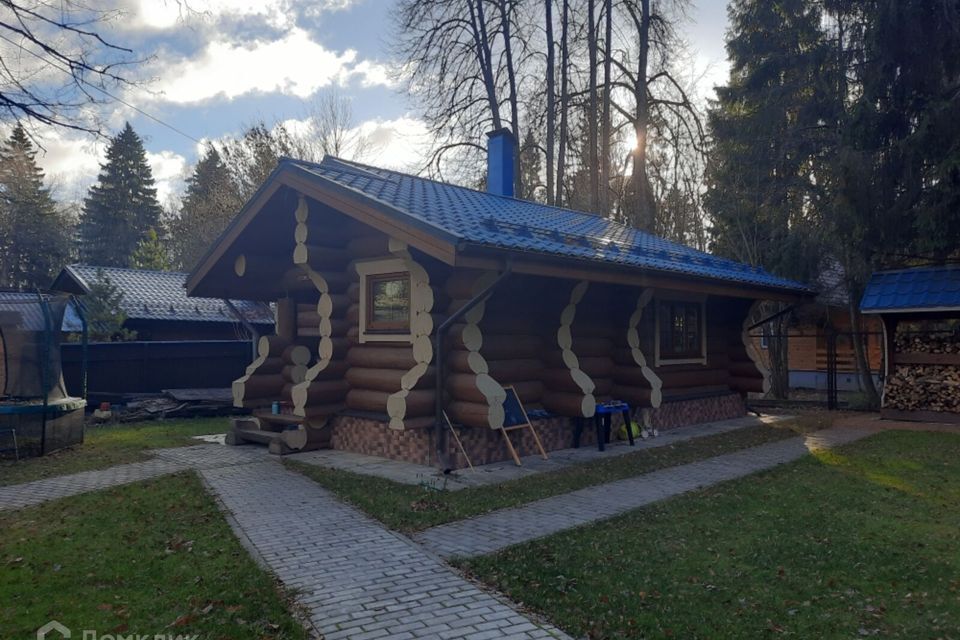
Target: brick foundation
pixel 375 438
pixel 671 415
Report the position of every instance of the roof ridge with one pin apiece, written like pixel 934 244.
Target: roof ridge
pixel 929 267
pixel 132 269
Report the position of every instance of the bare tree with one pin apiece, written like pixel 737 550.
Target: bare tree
pixel 332 130
pixel 54 62
pixel 551 99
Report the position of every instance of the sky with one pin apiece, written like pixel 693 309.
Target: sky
pixel 221 65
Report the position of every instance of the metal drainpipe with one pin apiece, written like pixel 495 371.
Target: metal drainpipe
pixel 246 324
pixel 438 430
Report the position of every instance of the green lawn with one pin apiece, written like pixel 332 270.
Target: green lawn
pixel 149 558
pixel 859 542
pixel 411 508
pixel 109 445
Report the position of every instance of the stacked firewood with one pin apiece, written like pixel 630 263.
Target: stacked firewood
pixel 927 342
pixel 925 386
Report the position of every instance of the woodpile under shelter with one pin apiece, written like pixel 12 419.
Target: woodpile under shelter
pixel 920 312
pixel 400 299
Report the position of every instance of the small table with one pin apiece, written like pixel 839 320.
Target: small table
pixel 603 419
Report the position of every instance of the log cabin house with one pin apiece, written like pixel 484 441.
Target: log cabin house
pixel 920 312
pixel 399 298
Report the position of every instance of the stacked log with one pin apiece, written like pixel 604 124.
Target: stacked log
pixel 263 381
pixel 321 390
pixel 476 395
pixel 634 380
pixel 748 373
pixel 939 342
pixel 569 389
pixel 926 373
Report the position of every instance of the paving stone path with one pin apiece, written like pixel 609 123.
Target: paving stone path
pixel 166 461
pixel 500 529
pixel 357 579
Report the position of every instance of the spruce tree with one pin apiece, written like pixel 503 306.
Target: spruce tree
pixel 151 253
pixel 122 207
pixel 34 232
pixel 210 202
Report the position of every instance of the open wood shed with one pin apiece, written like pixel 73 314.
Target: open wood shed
pixel 920 311
pixel 399 298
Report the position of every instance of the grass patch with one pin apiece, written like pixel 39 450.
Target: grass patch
pixel 863 541
pixel 149 558
pixel 411 508
pixel 109 445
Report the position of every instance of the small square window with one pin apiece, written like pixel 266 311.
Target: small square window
pixel 681 330
pixel 388 303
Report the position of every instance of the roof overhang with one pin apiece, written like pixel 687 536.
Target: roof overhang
pixel 451 249
pixel 70 281
pixel 417 233
pixel 480 257
pixel 911 310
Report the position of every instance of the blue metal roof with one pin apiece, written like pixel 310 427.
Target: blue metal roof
pixel 472 217
pixel 919 289
pixel 161 295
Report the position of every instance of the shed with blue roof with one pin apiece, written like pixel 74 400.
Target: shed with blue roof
pixel 920 311
pixel 403 300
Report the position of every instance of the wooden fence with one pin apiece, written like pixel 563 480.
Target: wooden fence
pixel 115 369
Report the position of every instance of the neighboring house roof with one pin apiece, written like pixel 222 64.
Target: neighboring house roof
pixel 920 289
pixel 481 218
pixel 159 295
pixel 466 222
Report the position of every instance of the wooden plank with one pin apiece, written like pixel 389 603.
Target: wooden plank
pixel 950 359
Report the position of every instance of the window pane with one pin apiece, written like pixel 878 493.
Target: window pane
pixel 391 301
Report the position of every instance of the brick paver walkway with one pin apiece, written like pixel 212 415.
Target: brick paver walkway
pixel 500 529
pixel 167 461
pixel 358 579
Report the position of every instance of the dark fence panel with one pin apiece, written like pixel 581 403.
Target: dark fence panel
pixel 117 368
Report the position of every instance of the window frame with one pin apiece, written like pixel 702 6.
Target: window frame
pixel 690 357
pixel 385 327
pixel 371 271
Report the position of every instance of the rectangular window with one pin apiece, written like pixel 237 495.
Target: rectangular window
pixel 388 303
pixel 681 330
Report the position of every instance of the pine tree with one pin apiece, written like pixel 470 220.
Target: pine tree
pixel 122 206
pixel 210 202
pixel 150 253
pixel 34 232
pixel 767 127
pixel 102 308
pixel 531 166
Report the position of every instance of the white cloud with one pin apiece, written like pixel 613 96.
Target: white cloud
pixel 162 15
pixel 401 143
pixel 168 169
pixel 294 65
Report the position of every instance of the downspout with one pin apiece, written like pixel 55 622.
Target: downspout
pixel 246 324
pixel 439 433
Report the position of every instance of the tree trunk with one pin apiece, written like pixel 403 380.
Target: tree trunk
pixel 605 118
pixel 863 365
pixel 514 106
pixel 564 99
pixel 551 100
pixel 641 211
pixel 779 348
pixel 592 162
pixel 478 25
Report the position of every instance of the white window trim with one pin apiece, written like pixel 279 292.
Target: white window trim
pixel 376 267
pixel 702 301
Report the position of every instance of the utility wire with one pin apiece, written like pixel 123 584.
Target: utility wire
pixel 102 90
